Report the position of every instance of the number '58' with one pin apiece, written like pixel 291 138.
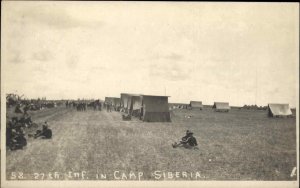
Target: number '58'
pixel 17 175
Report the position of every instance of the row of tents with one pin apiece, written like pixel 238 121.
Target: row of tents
pixel 274 110
pixel 151 108
pixel 148 108
pixel 197 105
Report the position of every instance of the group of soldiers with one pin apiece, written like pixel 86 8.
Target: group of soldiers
pixel 69 104
pixel 82 106
pixel 17 125
pixel 79 106
pixel 16 135
pixel 95 105
pixel 26 106
pixel 108 106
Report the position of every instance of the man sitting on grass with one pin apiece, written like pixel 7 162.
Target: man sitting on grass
pixel 45 133
pixel 188 141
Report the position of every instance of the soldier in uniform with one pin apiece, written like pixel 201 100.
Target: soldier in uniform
pixel 44 133
pixel 110 106
pixel 188 141
pixel 100 106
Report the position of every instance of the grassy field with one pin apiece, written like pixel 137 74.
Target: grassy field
pixel 239 145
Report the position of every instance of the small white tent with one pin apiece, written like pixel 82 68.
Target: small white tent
pixel 221 106
pixel 196 105
pixel 279 110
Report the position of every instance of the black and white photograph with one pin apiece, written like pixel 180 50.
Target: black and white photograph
pixel 149 94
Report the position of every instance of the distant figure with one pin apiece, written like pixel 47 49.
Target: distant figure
pixel 100 106
pixel 141 112
pixel 110 107
pixel 188 141
pixel 107 106
pixel 45 133
pixel 84 106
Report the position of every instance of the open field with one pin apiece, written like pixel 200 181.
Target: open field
pixel 239 145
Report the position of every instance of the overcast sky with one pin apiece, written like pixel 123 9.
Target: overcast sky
pixel 242 53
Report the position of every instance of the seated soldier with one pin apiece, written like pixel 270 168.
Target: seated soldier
pixel 17 139
pixel 26 120
pixel 14 120
pixel 126 117
pixel 18 109
pixel 45 133
pixel 188 141
pixel 9 131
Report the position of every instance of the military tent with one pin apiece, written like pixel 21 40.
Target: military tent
pixel 114 101
pixel 221 106
pixel 279 110
pixel 136 105
pixel 126 101
pixel 108 99
pixel 196 105
pixel 178 105
pixel 155 109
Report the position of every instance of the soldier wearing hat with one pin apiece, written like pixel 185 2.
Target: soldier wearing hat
pixel 188 141
pixel 44 133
